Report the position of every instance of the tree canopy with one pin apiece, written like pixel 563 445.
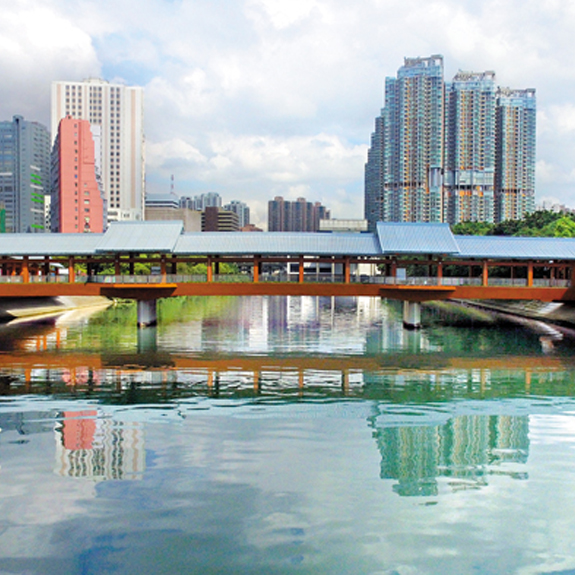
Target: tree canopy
pixel 542 223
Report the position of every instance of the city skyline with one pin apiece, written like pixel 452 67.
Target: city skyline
pixel 250 104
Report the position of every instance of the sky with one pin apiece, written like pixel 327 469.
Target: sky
pixel 258 98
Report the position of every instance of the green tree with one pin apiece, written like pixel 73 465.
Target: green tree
pixel 564 227
pixel 471 228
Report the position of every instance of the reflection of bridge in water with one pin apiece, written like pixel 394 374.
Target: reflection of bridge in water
pixel 372 376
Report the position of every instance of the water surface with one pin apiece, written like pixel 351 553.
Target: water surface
pixel 286 435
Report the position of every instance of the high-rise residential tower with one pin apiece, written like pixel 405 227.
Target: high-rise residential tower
pixel 118 111
pixel 403 179
pixel 298 216
pixel 453 152
pixel 24 174
pixel 469 164
pixel 78 203
pixel 241 209
pixel 515 153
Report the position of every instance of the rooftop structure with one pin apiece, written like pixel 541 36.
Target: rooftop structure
pixel 390 239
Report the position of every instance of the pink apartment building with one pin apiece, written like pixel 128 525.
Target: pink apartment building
pixel 78 204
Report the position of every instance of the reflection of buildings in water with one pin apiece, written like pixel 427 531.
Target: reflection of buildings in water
pixel 394 337
pixel 465 449
pixel 99 449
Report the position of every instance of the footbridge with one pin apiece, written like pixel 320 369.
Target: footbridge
pixel 146 261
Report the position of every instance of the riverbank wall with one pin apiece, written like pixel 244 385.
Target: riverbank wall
pixel 552 312
pixel 20 308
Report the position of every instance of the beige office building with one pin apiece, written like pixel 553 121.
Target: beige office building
pixel 119 110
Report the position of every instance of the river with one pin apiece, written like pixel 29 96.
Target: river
pixel 286 436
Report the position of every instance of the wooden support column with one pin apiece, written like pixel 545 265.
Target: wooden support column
pixel 530 274
pixel 117 264
pixel 210 277
pixel 46 268
pixel 572 283
pixel 439 272
pixel 25 269
pixel 485 274
pixel 394 269
pixel 71 273
pixel 174 268
pixel 346 270
pixel 131 264
pixel 300 270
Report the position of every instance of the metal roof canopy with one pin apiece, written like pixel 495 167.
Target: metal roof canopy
pixel 48 244
pixel 516 247
pixel 416 238
pixel 277 243
pixel 391 239
pixel 141 237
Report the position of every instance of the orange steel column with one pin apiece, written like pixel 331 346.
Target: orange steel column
pixel 210 270
pixel 256 269
pixel 485 275
pixel 530 274
pixel 71 273
pixel 300 270
pixel 163 268
pixel 346 270
pixel 25 270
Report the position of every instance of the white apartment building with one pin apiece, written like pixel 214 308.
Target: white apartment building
pixel 119 111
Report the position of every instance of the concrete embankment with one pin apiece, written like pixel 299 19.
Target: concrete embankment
pixel 550 312
pixel 553 312
pixel 19 308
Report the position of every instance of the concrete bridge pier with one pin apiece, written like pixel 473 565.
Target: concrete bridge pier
pixel 411 314
pixel 147 313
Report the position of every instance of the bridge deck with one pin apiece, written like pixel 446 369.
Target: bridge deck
pixel 408 291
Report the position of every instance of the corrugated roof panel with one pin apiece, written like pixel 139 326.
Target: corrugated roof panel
pixel 511 247
pixel 416 238
pixel 141 237
pixel 48 244
pixel 277 243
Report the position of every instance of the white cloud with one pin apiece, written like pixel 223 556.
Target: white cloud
pixel 269 94
pixel 37 45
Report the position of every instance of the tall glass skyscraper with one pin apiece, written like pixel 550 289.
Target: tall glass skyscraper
pixel 450 152
pixel 24 174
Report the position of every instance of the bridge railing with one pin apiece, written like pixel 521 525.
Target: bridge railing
pixel 289 278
